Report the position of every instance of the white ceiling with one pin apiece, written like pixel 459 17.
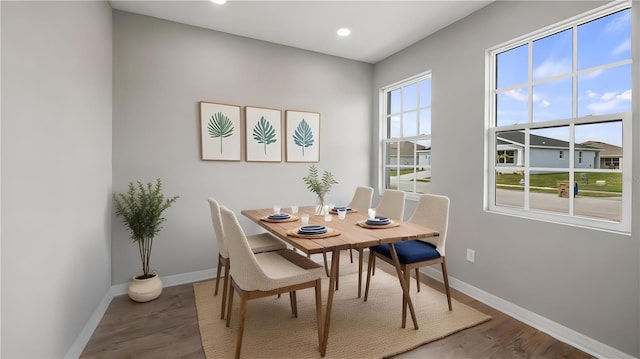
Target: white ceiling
pixel 378 28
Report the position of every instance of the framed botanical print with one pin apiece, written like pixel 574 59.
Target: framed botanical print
pixel 303 136
pixel 220 132
pixel 263 131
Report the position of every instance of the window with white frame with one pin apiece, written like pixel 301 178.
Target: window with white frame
pixel 565 89
pixel 406 135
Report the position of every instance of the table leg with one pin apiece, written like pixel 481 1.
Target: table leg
pixel 335 264
pixel 403 284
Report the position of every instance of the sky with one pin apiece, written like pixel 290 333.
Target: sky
pixel 600 89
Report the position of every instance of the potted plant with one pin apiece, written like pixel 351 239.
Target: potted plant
pixel 319 186
pixel 141 211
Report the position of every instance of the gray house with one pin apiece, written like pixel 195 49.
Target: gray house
pixel 545 152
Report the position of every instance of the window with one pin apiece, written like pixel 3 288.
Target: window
pixel 559 101
pixel 406 135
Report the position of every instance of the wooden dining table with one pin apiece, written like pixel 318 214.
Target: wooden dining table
pixel 346 233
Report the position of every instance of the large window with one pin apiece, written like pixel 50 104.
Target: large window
pixel 558 134
pixel 406 135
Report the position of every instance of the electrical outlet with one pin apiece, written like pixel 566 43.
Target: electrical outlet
pixel 471 255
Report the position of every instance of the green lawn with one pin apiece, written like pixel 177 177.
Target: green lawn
pixel 548 180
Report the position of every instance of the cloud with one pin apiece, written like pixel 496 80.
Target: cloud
pixel 610 102
pixel 624 46
pixel 516 94
pixel 619 22
pixel 592 94
pixel 551 68
pixel 545 103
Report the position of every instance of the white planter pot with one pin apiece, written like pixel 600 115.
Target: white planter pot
pixel 144 290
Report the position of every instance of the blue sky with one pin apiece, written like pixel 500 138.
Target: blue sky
pixel 600 90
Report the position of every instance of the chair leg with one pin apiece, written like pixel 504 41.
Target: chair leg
pixel 230 303
pixel 418 279
pixel 218 274
pixel 370 267
pixel 294 303
pixel 243 312
pixel 225 287
pixel 319 311
pixel 350 253
pixel 374 264
pixel 446 282
pixel 407 279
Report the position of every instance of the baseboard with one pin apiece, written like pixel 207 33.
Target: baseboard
pixel 83 338
pixel 560 332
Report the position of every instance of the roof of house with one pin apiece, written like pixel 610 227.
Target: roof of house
pixel 606 150
pixel 517 137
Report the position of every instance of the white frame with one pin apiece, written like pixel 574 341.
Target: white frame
pixel 383 129
pixel 622 227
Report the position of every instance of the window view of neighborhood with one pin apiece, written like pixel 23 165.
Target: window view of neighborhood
pixel 407 150
pixel 561 102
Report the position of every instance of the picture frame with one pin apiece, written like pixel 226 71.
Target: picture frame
pixel 302 136
pixel 263 134
pixel 220 132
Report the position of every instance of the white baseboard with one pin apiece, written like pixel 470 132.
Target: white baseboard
pixel 560 332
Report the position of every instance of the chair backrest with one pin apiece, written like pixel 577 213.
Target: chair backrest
pixel 245 269
pixel 391 204
pixel 361 200
pixel 218 228
pixel 433 212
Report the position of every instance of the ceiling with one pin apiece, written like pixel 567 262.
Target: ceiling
pixel 378 28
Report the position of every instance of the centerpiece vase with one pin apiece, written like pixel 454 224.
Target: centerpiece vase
pixel 320 210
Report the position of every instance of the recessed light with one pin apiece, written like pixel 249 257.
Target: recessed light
pixel 344 31
pixel 219 2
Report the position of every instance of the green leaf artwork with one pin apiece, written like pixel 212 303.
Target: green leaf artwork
pixel 264 133
pixel 303 136
pixel 220 126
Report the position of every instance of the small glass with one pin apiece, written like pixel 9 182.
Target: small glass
pixel 304 219
pixel 372 213
pixel 328 217
pixel 276 209
pixel 294 208
pixel 342 213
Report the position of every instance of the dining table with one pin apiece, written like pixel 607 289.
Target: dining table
pixel 348 233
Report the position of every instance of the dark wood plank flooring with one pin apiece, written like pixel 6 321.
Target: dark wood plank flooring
pixel 168 328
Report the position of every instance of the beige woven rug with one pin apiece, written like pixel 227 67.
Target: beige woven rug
pixel 358 329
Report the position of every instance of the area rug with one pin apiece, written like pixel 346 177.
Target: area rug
pixel 359 329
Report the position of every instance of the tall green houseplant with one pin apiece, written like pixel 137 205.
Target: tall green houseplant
pixel 141 211
pixel 319 186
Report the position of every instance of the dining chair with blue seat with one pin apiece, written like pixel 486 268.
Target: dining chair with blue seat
pixel 261 242
pixel 432 211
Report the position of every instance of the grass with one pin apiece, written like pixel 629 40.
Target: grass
pixel 547 182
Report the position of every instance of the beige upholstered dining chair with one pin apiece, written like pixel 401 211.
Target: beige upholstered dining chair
pixel 263 242
pixel 391 205
pixel 433 212
pixel 264 274
pixel 361 202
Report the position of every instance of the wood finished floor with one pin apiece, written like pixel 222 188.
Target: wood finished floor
pixel 168 328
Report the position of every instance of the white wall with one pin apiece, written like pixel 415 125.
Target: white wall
pixel 163 69
pixel 583 279
pixel 56 172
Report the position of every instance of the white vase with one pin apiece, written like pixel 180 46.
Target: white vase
pixel 144 290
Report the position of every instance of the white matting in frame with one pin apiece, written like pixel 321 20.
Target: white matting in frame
pixel 263 134
pixel 220 130
pixel 303 136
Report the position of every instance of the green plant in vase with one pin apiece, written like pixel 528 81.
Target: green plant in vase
pixel 319 186
pixel 141 211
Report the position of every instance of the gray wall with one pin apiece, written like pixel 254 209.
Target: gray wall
pixel 163 69
pixel 584 279
pixel 56 172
